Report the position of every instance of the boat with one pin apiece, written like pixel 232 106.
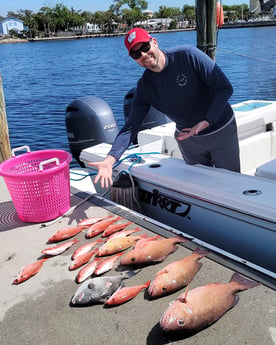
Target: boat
pixel 233 214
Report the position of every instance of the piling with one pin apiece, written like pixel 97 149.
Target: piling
pixel 206 26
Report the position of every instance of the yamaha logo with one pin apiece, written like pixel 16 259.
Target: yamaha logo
pixel 110 126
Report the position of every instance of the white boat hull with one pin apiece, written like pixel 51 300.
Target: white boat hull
pixel 226 211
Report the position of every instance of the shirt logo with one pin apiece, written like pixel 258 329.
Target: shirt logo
pixel 131 37
pixel 181 80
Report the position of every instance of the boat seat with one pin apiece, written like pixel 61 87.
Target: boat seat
pixel 273 145
pixel 248 128
pixel 267 170
pixel 255 151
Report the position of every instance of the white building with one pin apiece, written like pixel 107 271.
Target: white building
pixel 155 23
pixel 91 28
pixel 8 24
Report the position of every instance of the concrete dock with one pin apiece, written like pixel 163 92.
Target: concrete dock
pixel 38 311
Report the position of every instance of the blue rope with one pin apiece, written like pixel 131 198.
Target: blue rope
pixel 136 157
pixel 84 176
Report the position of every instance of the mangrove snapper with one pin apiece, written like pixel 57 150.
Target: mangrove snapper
pixel 90 221
pixel 123 233
pixel 125 294
pixel 85 248
pixel 99 227
pixel 59 249
pixel 82 259
pixel 87 271
pixel 65 233
pixel 112 228
pixel 29 271
pixel 107 264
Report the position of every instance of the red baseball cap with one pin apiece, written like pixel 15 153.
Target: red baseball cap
pixel 134 36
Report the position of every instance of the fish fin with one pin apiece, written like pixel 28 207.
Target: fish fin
pixel 162 272
pixel 236 300
pixel 242 282
pixel 147 284
pixel 183 297
pixel 160 260
pixel 201 252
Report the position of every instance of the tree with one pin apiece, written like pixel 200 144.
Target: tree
pixel 168 12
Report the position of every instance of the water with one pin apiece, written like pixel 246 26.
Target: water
pixel 41 79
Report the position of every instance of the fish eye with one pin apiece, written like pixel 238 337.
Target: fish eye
pixel 180 322
pixel 164 288
pixel 133 259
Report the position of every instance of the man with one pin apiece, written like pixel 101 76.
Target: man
pixel 187 86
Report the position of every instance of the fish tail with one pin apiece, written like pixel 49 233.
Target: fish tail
pixel 242 283
pixel 180 238
pixel 147 284
pixel 129 274
pixel 201 252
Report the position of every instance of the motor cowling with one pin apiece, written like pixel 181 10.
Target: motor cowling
pixel 89 121
pixel 153 118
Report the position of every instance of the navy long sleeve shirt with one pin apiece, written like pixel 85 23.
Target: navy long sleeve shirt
pixel 191 88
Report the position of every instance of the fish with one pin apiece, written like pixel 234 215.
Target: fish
pixel 125 294
pixel 85 248
pixel 29 271
pixel 99 289
pixel 99 227
pixel 65 233
pixel 123 233
pixel 152 251
pixel 87 271
pixel 177 274
pixel 59 249
pixel 141 243
pixel 200 307
pixel 107 264
pixel 112 228
pixel 116 245
pixel 90 221
pixel 82 259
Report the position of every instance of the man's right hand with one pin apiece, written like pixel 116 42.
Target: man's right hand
pixel 104 171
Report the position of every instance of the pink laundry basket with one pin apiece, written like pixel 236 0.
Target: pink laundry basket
pixel 38 183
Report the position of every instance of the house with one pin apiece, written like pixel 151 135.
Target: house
pixel 155 23
pixel 148 13
pixel 91 28
pixel 11 23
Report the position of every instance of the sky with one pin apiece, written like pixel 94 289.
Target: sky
pixel 93 5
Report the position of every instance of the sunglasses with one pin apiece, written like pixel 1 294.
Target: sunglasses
pixel 145 47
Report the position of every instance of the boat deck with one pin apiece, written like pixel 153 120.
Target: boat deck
pixel 38 311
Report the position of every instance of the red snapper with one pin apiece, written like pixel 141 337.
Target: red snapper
pixel 200 307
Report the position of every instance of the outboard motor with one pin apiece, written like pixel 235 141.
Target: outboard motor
pixel 153 118
pixel 89 121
